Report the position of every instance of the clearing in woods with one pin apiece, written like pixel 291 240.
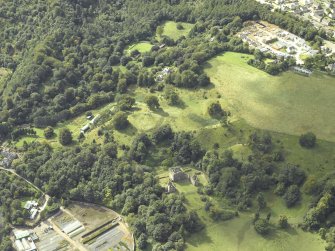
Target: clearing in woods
pixel 288 103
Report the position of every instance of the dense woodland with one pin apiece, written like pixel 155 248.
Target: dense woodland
pixel 12 190
pixel 63 53
pixel 65 58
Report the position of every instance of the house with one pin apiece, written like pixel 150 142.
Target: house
pixel 30 204
pixel 302 70
pixel 85 128
pixel 194 180
pixel 166 71
pixel 177 174
pixel 95 119
pixel 33 213
pixel 24 241
pixel 20 234
pixel 170 188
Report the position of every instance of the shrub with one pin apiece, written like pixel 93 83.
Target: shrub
pixel 152 102
pixel 65 137
pixel 262 226
pixel 283 222
pixel 215 110
pixel 120 120
pixel 292 196
pixel 48 132
pixel 307 140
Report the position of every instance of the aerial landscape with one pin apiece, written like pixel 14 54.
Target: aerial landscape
pixel 167 125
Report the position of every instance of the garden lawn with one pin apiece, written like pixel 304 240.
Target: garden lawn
pixel 170 29
pixel 142 47
pixel 288 103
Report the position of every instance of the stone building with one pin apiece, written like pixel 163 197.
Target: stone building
pixel 170 188
pixel 194 180
pixel 177 174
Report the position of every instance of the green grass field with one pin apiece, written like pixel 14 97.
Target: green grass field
pixel 288 103
pixel 142 47
pixel 170 30
pixel 238 234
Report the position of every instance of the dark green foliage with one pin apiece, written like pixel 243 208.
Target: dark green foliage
pixel 120 120
pixel 221 214
pixel 307 140
pixel 262 226
pixel 90 173
pixel 13 191
pixel 292 175
pixel 152 102
pixel 292 196
pixel 283 221
pixel 317 215
pixel 65 137
pixel 162 133
pixel 148 61
pixel 261 201
pixel 126 103
pixel 142 241
pixel 49 132
pixel 261 142
pixel 65 59
pixel 140 148
pixel 20 132
pixel 215 110
pixel 110 149
pixel 185 149
pixel 172 97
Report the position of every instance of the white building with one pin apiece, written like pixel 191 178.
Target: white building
pixel 23 241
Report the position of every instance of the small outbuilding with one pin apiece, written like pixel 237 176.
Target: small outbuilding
pixel 177 174
pixel 170 188
pixel 194 180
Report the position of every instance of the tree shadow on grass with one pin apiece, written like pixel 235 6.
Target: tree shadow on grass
pixel 201 238
pixel 130 130
pixel 161 112
pixel 181 104
pixel 291 230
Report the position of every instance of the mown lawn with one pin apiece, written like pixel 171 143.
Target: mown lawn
pixel 142 47
pixel 288 103
pixel 170 30
pixel 239 235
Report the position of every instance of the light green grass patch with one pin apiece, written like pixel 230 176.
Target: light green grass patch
pixel 239 235
pixel 289 103
pixel 142 47
pixel 170 30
